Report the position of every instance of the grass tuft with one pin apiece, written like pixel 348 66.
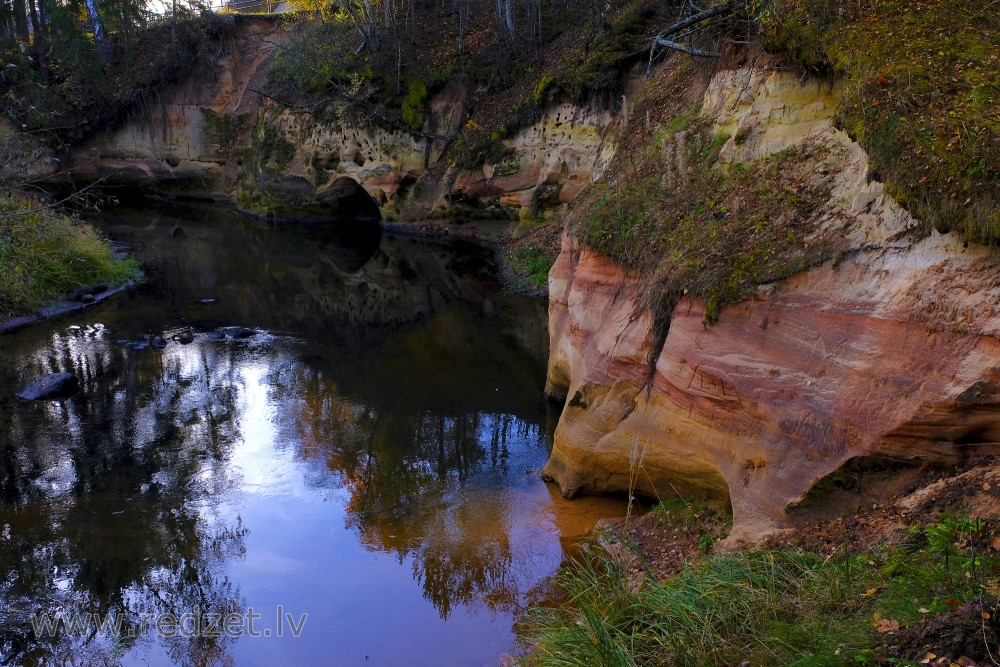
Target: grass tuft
pixel 531 266
pixel 768 607
pixel 44 253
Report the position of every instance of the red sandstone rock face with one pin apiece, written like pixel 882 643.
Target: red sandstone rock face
pixel 880 356
pixel 894 353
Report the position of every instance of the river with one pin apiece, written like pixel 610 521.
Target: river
pixel 350 479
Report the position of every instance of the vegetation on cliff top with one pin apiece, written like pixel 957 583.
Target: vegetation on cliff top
pixel 667 211
pixel 58 86
pixel 550 49
pixel 922 96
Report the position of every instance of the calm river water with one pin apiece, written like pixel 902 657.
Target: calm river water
pixel 353 482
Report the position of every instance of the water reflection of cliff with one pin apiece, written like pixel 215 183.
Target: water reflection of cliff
pixel 346 284
pixel 400 373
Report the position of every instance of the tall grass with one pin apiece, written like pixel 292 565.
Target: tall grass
pixel 768 607
pixel 44 253
pixel 531 266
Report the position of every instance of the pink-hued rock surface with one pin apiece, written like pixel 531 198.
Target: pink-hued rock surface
pixel 893 353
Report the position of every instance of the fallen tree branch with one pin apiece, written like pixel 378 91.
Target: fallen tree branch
pixel 694 19
pixel 685 49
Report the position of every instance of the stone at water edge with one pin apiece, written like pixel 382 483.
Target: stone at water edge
pixel 185 337
pixel 78 293
pixel 238 332
pixel 50 385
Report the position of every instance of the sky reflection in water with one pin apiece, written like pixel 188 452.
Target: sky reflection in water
pixel 369 457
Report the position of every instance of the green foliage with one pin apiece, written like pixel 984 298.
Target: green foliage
pixel 317 60
pixel 711 232
pixel 272 147
pixel 531 266
pixel 611 36
pixel 69 93
pixel 44 253
pixel 775 607
pixel 921 97
pixel 413 105
pixel 542 88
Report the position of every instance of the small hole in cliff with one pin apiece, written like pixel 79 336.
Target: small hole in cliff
pixel 984 440
pixel 860 482
pixel 578 401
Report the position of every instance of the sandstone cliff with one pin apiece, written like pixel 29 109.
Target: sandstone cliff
pixel 889 351
pixel 218 136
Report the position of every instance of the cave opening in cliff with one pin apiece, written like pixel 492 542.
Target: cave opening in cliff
pixel 352 201
pixel 859 483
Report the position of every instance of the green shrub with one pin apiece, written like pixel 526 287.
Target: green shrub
pixel 44 253
pixel 413 106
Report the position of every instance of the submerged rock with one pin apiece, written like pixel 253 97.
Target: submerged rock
pixel 78 293
pixel 238 332
pixel 50 385
pixel 185 337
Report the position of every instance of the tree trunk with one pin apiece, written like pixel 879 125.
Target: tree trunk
pixel 463 22
pixel 21 21
pixel 38 39
pixel 100 39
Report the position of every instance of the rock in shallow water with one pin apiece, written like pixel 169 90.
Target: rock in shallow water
pixel 238 332
pixel 185 337
pixel 50 385
pixel 78 293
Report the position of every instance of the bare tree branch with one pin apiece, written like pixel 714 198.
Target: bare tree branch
pixel 661 39
pixel 684 49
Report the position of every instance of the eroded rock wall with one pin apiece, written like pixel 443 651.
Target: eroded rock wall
pixel 890 351
pixel 217 136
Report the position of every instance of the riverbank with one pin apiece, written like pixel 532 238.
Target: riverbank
pixel 90 269
pixel 51 261
pixel 908 580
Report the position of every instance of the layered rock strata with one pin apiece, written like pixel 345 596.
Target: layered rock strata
pixel 890 352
